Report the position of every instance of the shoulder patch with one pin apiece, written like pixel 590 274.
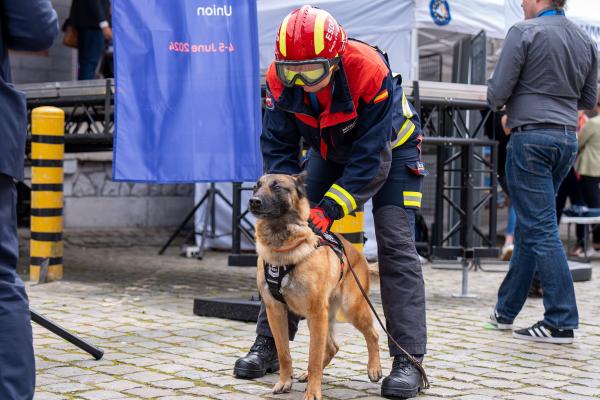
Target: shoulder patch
pixel 381 96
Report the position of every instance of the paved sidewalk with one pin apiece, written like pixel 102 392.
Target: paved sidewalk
pixel 137 306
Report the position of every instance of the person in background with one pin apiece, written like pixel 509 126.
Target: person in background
pixel 25 26
pixel 570 188
pixel 547 71
pixel 588 167
pixel 509 233
pixel 91 19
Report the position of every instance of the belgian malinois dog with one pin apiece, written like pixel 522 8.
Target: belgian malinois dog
pixel 317 286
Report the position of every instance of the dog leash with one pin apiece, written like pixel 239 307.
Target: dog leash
pixel 413 360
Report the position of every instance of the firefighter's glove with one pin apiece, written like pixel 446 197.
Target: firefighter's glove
pixel 318 221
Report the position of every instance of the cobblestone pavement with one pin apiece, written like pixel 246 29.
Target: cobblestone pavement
pixel 137 306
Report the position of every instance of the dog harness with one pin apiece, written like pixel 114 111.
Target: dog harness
pixel 274 274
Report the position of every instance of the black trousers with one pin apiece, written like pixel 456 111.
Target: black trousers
pixel 590 189
pixel 17 364
pixel 402 288
pixel 571 188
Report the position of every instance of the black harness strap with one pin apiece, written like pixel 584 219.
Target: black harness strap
pixel 274 274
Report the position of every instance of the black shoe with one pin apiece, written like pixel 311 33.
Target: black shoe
pixel 540 332
pixel 261 358
pixel 404 381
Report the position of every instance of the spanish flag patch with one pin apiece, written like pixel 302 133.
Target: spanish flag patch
pixel 381 96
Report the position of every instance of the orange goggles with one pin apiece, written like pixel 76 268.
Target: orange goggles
pixel 304 73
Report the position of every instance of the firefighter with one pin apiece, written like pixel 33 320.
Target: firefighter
pixel 339 96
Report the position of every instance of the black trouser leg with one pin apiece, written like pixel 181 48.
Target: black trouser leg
pixel 590 188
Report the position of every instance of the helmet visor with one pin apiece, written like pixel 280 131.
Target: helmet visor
pixel 309 73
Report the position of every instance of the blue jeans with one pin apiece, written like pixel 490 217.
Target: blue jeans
pixel 537 162
pixel 90 48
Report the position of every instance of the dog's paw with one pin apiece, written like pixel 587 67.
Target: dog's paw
pixel 283 387
pixel 375 373
pixel 303 377
pixel 312 395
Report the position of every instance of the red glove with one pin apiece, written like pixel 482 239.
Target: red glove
pixel 318 220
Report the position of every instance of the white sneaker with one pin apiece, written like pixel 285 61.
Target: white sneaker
pixel 502 324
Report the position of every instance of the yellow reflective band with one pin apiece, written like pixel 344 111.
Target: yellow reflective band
pixel 339 201
pixel 412 199
pixel 406 107
pixel 404 133
pixel 319 32
pixel 283 35
pixel 346 194
pixel 342 197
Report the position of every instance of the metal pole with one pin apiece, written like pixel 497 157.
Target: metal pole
pixel 466 232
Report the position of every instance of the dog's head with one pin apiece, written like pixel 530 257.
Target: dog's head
pixel 277 195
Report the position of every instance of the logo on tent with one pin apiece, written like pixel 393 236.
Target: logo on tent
pixel 440 12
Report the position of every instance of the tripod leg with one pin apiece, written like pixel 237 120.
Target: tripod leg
pixel 96 352
pixel 210 206
pixel 180 227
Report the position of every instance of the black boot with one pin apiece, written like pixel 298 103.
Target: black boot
pixel 404 381
pixel 261 358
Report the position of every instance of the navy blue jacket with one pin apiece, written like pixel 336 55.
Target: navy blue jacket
pixel 27 25
pixel 364 116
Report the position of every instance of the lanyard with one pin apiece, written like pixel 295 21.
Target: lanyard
pixel 314 102
pixel 551 12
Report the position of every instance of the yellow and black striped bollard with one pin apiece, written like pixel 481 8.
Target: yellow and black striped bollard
pixel 47 155
pixel 352 228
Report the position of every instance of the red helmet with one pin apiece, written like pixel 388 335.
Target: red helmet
pixel 308 33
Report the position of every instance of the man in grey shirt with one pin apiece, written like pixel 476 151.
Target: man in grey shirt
pixel 546 72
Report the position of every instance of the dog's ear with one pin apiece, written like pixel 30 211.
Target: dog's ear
pixel 299 181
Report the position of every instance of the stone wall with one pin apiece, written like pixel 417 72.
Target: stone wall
pixel 94 200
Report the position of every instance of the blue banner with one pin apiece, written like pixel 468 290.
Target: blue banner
pixel 187 91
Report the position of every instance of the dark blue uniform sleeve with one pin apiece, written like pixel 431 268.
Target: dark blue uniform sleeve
pixel 29 25
pixel 370 158
pixel 279 141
